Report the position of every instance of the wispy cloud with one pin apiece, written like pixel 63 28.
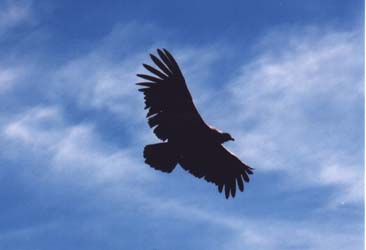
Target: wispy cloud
pixel 8 77
pixel 101 84
pixel 246 232
pixel 70 149
pixel 301 103
pixel 101 80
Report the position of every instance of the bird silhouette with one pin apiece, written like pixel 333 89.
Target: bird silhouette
pixel 187 139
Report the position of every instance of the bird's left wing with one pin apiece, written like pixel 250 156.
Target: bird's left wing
pixel 217 165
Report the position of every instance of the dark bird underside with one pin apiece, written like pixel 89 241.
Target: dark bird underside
pixel 187 139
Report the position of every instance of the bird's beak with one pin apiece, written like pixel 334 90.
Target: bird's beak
pixel 232 139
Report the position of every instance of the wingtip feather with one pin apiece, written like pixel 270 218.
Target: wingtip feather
pixel 220 187
pixel 240 183
pixel 227 191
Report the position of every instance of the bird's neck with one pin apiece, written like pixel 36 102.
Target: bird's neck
pixel 217 136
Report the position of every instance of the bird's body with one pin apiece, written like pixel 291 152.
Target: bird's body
pixel 188 140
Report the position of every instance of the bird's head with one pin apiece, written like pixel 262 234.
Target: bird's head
pixel 226 137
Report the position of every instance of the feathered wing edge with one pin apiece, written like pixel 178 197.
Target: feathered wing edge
pixel 229 183
pixel 228 173
pixel 168 69
pixel 165 91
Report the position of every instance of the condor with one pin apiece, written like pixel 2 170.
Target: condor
pixel 187 139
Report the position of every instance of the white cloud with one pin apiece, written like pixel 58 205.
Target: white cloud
pixel 99 80
pixel 297 105
pixel 74 150
pixel 7 76
pixel 11 76
pixel 96 82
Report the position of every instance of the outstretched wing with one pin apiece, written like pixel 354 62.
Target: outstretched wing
pixel 167 97
pixel 218 165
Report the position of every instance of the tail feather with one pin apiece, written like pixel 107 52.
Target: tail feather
pixel 161 156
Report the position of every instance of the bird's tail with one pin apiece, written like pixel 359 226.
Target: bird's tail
pixel 161 156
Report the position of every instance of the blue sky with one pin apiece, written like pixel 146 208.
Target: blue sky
pixel 285 78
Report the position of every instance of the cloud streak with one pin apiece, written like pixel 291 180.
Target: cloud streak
pixel 246 232
pixel 72 150
pixel 304 99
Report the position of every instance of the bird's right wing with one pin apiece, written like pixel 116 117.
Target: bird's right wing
pixel 167 97
pixel 217 165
